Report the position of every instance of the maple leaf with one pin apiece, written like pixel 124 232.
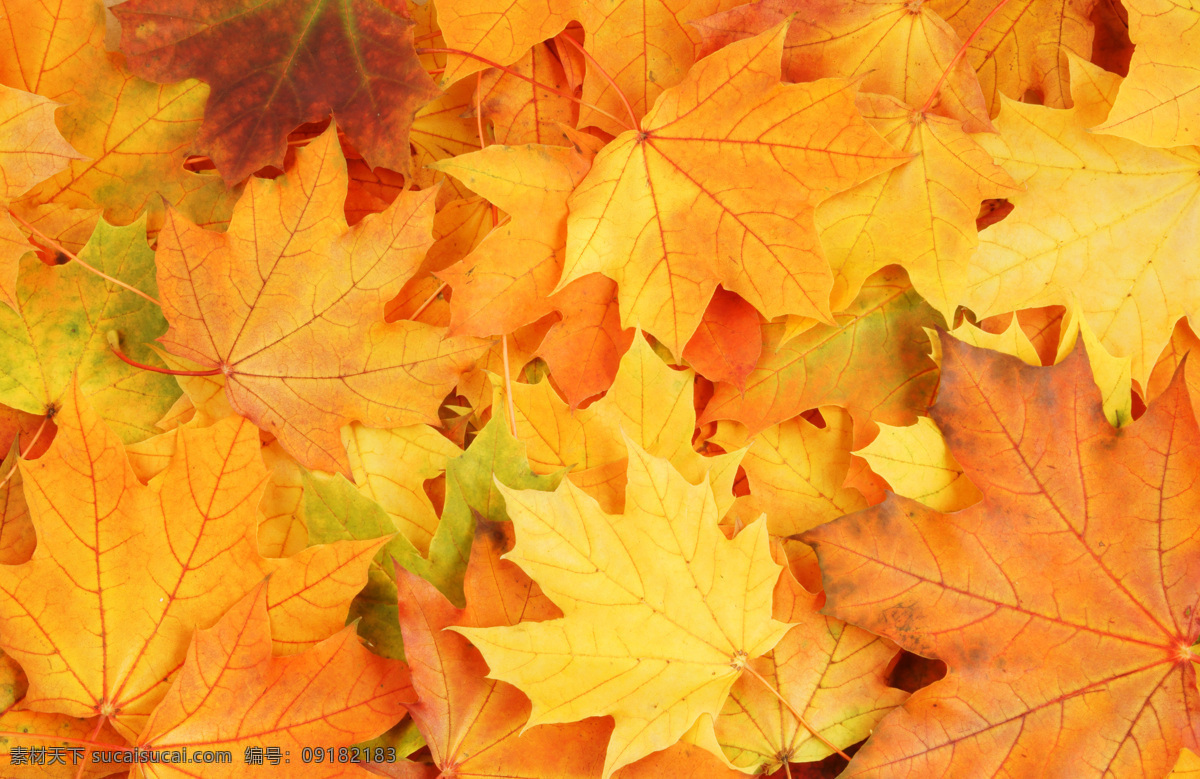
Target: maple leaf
pixel 727 344
pixel 304 350
pixel 880 338
pixel 920 215
pixel 584 349
pixel 523 112
pixel 122 573
pixel 1064 602
pixel 1158 104
pixel 591 441
pixel 635 641
pixel 133 136
pixel 474 726
pixel 1024 47
pixel 231 693
pixel 31 151
pixel 646 45
pixel 832 673
pixel 1079 231
pixel 503 283
pixel 61 327
pixel 898 48
pixel 274 65
pixel 666 212
pixel 797 474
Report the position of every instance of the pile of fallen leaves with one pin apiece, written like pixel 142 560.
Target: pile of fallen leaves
pixel 568 389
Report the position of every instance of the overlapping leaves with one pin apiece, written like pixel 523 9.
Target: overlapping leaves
pixel 543 376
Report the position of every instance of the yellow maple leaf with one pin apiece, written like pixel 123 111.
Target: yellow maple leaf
pixel 1103 221
pixel 661 611
pixel 1159 104
pixel 920 215
pixel 668 212
pixel 648 401
pixel 1024 47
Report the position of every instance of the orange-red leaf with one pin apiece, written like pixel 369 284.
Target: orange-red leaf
pixel 727 344
pixel 584 350
pixel 231 693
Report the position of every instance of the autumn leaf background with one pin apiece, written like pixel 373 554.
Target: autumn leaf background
pixel 496 388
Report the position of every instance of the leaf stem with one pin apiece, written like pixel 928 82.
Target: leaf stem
pixel 523 77
pixel 428 300
pixel 609 79
pixel 958 55
pixel 53 244
pixel 88 755
pixel 25 454
pixel 749 668
pixel 479 108
pixel 156 369
pixel 512 415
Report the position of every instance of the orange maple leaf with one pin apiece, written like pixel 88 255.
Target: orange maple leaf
pixel 897 47
pixel 288 305
pixel 100 616
pixel 646 45
pixel 231 693
pixel 668 212
pixel 1064 602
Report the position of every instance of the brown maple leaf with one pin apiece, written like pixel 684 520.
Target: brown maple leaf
pixel 275 64
pixel 1064 602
